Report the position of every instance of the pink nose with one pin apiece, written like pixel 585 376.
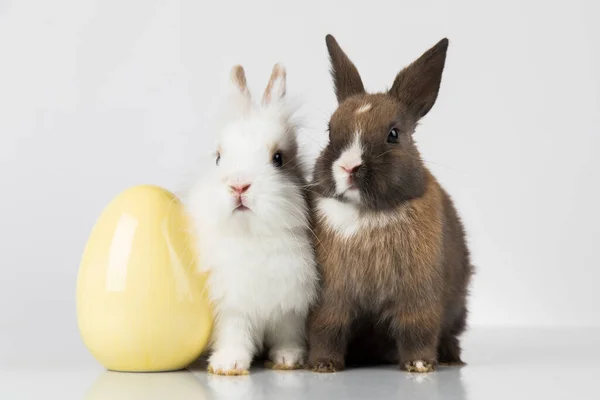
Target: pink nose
pixel 239 189
pixel 351 170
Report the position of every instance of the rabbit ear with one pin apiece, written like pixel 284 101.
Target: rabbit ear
pixel 239 97
pixel 345 75
pixel 417 85
pixel 275 90
pixel 238 78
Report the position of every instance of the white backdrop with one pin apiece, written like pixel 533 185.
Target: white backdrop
pixel 97 96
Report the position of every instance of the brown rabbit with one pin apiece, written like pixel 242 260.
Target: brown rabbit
pixel 391 248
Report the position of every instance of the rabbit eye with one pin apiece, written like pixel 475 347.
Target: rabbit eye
pixel 277 160
pixel 393 136
pixel 218 159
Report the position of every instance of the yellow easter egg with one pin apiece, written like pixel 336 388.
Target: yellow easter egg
pixel 142 305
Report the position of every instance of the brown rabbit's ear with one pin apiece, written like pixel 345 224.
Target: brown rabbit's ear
pixel 345 75
pixel 275 90
pixel 417 85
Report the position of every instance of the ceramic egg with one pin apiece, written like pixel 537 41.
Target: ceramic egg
pixel 142 304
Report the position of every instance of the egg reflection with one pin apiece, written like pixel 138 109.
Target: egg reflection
pixel 180 385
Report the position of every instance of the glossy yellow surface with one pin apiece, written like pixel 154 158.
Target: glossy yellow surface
pixel 141 305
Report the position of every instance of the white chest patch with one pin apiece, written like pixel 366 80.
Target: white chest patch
pixel 345 220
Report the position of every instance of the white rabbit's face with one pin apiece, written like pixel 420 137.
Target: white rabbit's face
pixel 253 162
pixel 258 182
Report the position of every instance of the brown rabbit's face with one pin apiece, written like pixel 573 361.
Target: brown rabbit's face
pixel 371 159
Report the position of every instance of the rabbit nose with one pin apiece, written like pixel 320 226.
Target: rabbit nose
pixel 239 189
pixel 351 170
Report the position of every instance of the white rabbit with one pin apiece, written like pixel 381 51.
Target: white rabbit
pixel 252 221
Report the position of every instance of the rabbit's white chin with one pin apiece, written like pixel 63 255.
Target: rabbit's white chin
pixel 259 222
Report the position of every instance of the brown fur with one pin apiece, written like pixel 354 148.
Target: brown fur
pixel 395 291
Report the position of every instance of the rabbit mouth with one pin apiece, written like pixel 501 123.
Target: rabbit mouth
pixel 351 188
pixel 241 208
pixel 352 194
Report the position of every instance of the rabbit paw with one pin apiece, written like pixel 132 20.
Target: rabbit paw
pixel 286 359
pixel 226 362
pixel 419 366
pixel 325 366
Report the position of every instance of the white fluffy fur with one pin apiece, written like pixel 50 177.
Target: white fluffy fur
pixel 345 219
pixel 262 268
pixel 350 158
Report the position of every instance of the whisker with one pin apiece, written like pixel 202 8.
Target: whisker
pixel 442 165
pixel 382 154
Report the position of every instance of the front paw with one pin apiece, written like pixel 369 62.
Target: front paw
pixel 419 366
pixel 229 362
pixel 325 365
pixel 286 358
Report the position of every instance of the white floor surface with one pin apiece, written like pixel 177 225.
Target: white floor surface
pixel 502 364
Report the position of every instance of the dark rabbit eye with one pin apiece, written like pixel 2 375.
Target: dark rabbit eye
pixel 393 136
pixel 277 160
pixel 218 159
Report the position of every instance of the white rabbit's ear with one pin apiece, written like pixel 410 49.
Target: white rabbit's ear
pixel 275 90
pixel 241 94
pixel 238 78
